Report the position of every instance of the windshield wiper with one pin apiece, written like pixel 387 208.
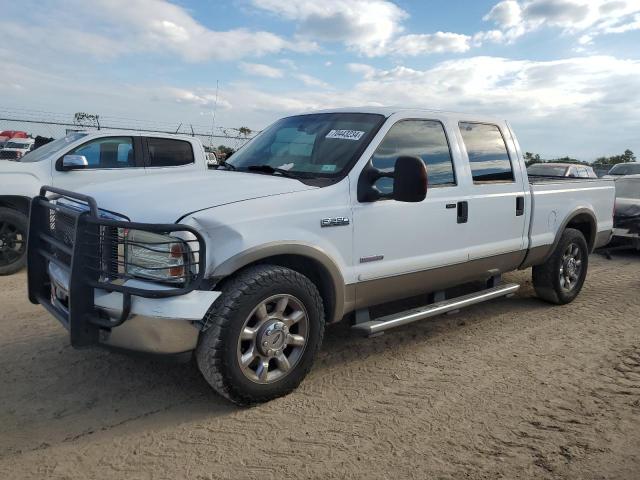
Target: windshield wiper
pixel 281 171
pixel 226 166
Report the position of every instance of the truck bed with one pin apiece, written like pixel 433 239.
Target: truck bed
pixel 557 199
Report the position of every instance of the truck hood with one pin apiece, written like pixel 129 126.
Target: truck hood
pixel 167 198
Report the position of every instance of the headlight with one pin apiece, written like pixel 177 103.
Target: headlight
pixel 157 257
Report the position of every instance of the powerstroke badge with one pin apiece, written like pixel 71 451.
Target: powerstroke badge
pixel 345 134
pixel 334 222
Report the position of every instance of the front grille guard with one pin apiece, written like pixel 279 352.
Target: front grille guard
pixel 87 249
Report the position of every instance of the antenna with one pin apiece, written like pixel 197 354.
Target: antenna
pixel 213 116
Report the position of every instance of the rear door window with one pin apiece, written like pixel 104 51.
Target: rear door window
pixel 168 152
pixel 487 152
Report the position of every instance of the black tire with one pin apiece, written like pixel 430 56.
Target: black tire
pixel 219 346
pixel 13 240
pixel 547 278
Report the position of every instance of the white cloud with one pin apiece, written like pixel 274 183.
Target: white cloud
pixel 203 98
pixel 440 42
pixel 106 29
pixel 506 14
pixel 311 81
pixel 261 70
pixel 589 18
pixel 366 26
pixel 366 71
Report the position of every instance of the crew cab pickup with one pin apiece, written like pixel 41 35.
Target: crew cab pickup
pixel 79 159
pixel 321 217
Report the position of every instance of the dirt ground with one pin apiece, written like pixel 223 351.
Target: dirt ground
pixel 510 389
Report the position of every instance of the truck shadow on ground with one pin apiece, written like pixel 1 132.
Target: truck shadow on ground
pixel 60 394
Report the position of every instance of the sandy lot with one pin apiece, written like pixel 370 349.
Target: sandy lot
pixel 511 389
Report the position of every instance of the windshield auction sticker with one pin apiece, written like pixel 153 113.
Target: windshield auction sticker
pixel 345 134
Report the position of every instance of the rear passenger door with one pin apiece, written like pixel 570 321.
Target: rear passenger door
pixel 165 154
pixel 496 211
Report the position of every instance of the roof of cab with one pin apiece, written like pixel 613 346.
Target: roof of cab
pixel 125 133
pixel 388 111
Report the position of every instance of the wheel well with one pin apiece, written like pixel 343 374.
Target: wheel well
pixel 17 203
pixel 585 224
pixel 314 271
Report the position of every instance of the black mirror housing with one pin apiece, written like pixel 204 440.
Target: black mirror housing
pixel 410 180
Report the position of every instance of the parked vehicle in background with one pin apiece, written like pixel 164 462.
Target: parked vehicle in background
pixel 561 170
pixel 627 213
pixel 621 169
pixel 212 159
pixel 16 148
pixel 319 216
pixel 79 159
pixel 9 134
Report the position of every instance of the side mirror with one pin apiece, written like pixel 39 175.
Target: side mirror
pixel 74 162
pixel 410 180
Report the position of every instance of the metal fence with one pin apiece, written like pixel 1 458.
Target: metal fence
pixel 55 125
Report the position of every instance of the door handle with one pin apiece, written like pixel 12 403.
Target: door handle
pixel 519 206
pixel 463 212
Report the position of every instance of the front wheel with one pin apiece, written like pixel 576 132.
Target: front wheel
pixel 560 279
pixel 262 334
pixel 13 240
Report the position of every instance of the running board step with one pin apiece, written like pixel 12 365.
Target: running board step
pixel 379 325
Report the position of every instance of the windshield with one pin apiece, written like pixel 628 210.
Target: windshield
pixel 16 145
pixel 547 170
pixel 316 145
pixel 625 169
pixel 44 151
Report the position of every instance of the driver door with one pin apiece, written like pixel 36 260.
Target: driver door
pixel 395 243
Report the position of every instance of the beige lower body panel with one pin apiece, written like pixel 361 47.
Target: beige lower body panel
pixel 375 292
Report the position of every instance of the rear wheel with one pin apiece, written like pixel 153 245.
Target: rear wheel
pixel 560 279
pixel 263 334
pixel 13 240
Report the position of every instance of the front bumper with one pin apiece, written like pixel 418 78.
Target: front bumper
pixel 69 274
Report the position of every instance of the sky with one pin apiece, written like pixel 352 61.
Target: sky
pixel 565 73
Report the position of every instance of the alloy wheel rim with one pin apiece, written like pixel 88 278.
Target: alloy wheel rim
pixel 273 339
pixel 12 243
pixel 570 267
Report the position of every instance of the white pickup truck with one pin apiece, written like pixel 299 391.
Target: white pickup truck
pixel 320 217
pixel 79 159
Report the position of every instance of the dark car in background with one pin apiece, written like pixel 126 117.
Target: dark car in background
pixel 626 220
pixel 622 169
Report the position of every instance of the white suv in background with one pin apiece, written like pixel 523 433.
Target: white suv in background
pixel 77 160
pixel 16 148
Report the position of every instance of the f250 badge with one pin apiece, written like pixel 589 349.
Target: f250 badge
pixel 334 222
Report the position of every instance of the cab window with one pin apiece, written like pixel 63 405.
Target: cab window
pixel 487 152
pixel 167 152
pixel 425 139
pixel 109 152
